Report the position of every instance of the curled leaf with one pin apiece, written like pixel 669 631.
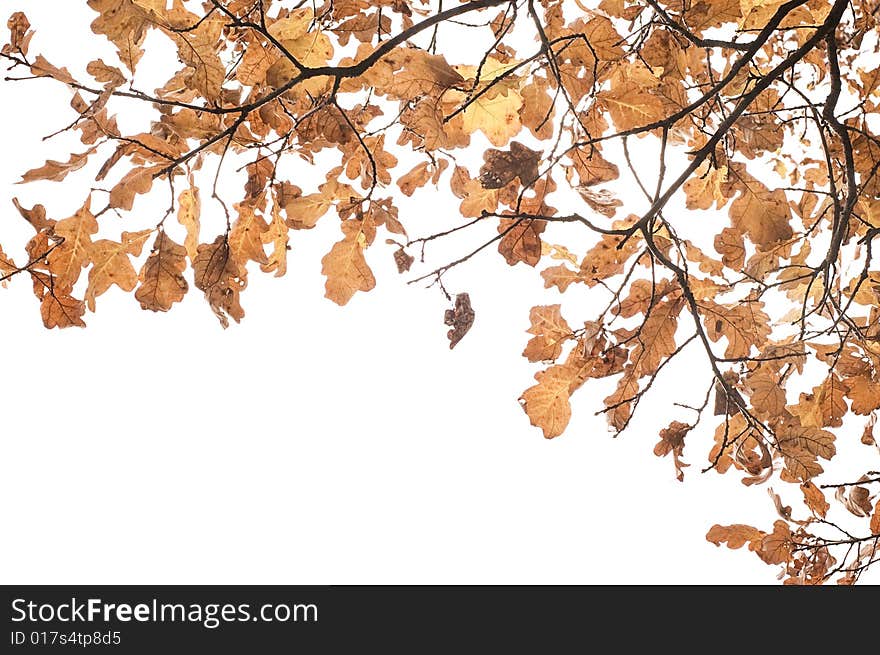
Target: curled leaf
pixel 460 317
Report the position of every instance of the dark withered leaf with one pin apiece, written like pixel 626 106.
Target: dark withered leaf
pixel 461 318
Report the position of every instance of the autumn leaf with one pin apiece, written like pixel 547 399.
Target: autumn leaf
pixel 62 310
pixel 656 339
pixel 125 24
pixel 864 393
pixel 802 446
pixel 736 536
pixel 855 498
pixel 521 240
pixel 161 278
pixel 20 34
pixel 561 276
pixel 112 265
pixel 403 260
pixel 496 117
pixel 825 406
pixel 601 201
pixel 590 168
pixel 188 215
pixel 277 235
pixel 875 519
pixel 56 171
pixel 346 267
pixel 629 101
pixel 551 332
pixel 705 188
pixel 619 405
pixel 136 182
pixel 248 236
pixel 476 199
pixel 607 258
pixel 815 499
pixel 766 395
pixel 547 402
pixel 220 277
pixel 729 244
pixel 672 441
pixel 502 167
pixel 538 110
pixel 36 216
pixel 776 547
pixel 304 211
pixel 460 319
pixel 68 258
pixel 759 213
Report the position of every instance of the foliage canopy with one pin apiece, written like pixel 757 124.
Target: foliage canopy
pixel 763 116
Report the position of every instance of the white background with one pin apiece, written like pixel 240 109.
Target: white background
pixel 312 443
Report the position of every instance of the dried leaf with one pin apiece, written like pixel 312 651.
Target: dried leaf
pixel 503 166
pixel 161 279
pixel 345 266
pixel 815 499
pixel 776 547
pixel 56 171
pixel 736 536
pixel 551 332
pixel 111 264
pixel 547 402
pixel 188 215
pixel 403 260
pixel 672 441
pixel 460 318
pixel 220 277
pixel 61 310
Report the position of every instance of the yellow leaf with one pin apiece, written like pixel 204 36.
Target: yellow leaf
pixel 188 215
pixel 496 117
pixel 278 237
